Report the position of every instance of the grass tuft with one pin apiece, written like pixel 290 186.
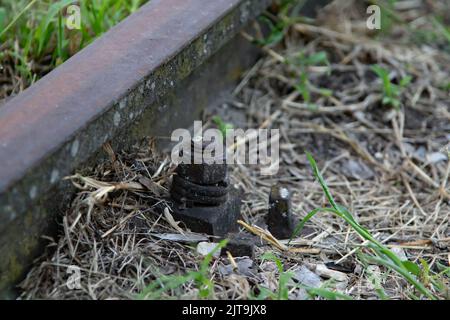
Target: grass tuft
pixel 34 38
pixel 380 254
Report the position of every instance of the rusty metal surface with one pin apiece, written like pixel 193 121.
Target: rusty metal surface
pixel 142 77
pixel 202 195
pixel 279 219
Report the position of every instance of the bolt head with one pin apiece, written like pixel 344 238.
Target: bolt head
pixel 217 220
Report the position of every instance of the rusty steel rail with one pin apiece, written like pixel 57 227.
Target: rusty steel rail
pixel 151 73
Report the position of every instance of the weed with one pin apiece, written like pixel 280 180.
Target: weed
pixel 375 280
pixel 284 281
pixel 444 31
pixel 201 279
pixel 327 294
pixel 36 37
pixel 222 125
pixel 388 15
pixel 276 32
pixel 391 91
pixel 380 254
pixel 305 87
pixel 278 25
pixel 286 284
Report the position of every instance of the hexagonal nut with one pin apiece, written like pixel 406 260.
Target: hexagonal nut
pixel 217 220
pixel 206 174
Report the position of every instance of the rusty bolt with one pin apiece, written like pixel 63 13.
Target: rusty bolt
pixel 203 198
pixel 204 173
pixel 279 219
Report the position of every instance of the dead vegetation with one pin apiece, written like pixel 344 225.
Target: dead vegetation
pixel 385 160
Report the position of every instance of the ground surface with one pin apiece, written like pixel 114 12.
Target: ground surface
pixel 384 159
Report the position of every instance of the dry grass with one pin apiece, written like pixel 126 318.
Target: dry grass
pixel 387 166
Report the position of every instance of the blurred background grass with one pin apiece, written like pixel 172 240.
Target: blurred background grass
pixel 34 38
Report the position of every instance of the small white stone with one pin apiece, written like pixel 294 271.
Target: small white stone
pixel 74 148
pixel 373 274
pixel 389 115
pixel 123 103
pixel 12 213
pixel 204 248
pixel 33 192
pixel 284 192
pixel 323 271
pixel 307 278
pixel 54 176
pixel 436 157
pixel 116 119
pixel 400 253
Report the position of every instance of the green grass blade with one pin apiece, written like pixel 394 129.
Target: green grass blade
pixel 312 213
pixel 319 177
pixel 327 294
pixel 43 31
pixel 443 30
pixel 27 7
pixel 405 274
